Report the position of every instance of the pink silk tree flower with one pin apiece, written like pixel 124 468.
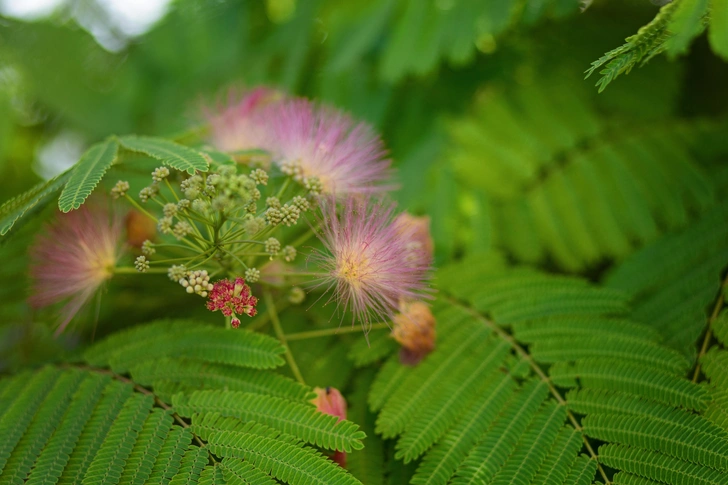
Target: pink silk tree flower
pixel 330 401
pixel 73 258
pixel 239 125
pixel 367 263
pixel 318 141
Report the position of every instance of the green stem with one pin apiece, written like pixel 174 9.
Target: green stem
pixel 282 336
pixel 709 332
pixel 331 331
pixel 130 270
pixel 169 186
pixel 140 208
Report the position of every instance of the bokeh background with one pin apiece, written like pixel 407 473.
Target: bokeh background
pixel 494 131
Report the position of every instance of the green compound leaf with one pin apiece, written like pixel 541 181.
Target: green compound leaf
pixel 34 199
pixel 86 174
pixel 168 152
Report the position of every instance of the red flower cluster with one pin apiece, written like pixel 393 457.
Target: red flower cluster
pixel 232 299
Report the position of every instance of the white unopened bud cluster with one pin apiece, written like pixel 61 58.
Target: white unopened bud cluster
pixel 160 174
pixel 148 192
pixel 252 275
pixel 120 189
pixel 141 264
pixel 272 246
pixel 148 248
pixel 177 272
pixel 196 282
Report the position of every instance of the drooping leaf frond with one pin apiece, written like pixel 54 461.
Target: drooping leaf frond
pixel 34 199
pixel 86 174
pixel 168 152
pixel 672 30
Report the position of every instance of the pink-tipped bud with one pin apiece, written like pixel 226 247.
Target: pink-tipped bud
pixel 232 299
pixel 235 323
pixel 330 401
pixel 414 329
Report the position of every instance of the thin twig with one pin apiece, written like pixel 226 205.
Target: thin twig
pixel 282 336
pixel 540 373
pixel 331 331
pixel 709 332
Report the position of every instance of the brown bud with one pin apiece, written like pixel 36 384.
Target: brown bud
pixel 414 329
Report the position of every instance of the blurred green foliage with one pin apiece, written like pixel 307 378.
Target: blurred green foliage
pixel 482 105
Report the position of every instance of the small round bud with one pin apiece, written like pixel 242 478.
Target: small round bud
pixel 183 205
pixel 289 214
pixel 289 253
pixel 213 179
pixel 177 272
pixel 181 229
pixel 296 295
pixel 301 203
pixel 165 225
pixel 141 264
pixel 253 225
pixel 148 192
pixel 252 275
pixel 200 206
pixel 120 189
pixel 293 170
pixel 273 202
pixel 170 209
pixel 235 322
pixel 273 216
pixel 314 185
pixel 260 177
pixel 148 248
pixel 272 246
pixel 160 174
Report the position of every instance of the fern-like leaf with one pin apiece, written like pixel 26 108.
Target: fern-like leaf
pixel 108 464
pixel 291 463
pixel 300 420
pixel 168 152
pixel 659 467
pixel 194 375
pixel 33 199
pixel 243 473
pixel 184 338
pixel 86 174
pixel 193 462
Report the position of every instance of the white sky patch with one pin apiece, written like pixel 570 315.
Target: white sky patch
pixel 124 19
pixel 29 9
pixel 59 154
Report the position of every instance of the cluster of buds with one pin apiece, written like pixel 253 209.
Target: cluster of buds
pixel 232 299
pixel 197 282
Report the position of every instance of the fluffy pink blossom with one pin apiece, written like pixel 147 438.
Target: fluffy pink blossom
pixel 239 125
pixel 73 258
pixel 330 401
pixel 318 141
pixel 368 261
pixel 232 299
